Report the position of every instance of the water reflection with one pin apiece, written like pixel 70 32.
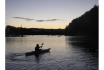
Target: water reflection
pixel 67 53
pixel 38 57
pixel 84 49
pixel 84 42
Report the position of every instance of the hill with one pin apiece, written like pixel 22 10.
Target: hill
pixel 85 25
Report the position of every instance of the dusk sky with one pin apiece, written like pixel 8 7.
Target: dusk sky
pixel 45 13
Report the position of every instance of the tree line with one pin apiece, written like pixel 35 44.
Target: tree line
pixel 19 31
pixel 85 25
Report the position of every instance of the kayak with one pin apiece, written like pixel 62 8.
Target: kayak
pixel 37 52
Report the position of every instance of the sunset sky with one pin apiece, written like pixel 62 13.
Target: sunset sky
pixel 45 13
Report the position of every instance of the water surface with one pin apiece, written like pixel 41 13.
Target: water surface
pixel 67 53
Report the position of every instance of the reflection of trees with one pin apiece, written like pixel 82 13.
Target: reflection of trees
pixel 17 31
pixel 84 42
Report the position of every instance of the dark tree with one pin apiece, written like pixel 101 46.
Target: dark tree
pixel 85 25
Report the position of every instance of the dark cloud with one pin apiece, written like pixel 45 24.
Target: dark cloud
pixel 40 20
pixel 27 19
pixel 48 20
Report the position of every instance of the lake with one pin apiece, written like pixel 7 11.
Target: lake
pixel 67 53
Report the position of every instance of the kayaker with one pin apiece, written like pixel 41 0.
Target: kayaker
pixel 37 48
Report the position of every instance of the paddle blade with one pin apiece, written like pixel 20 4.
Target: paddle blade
pixel 42 43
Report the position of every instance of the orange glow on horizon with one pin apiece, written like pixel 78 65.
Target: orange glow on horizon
pixel 33 24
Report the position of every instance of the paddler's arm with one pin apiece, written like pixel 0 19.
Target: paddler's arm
pixel 41 47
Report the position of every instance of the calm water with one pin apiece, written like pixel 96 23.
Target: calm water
pixel 66 53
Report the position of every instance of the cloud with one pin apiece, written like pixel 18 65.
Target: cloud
pixel 48 20
pixel 40 20
pixel 27 19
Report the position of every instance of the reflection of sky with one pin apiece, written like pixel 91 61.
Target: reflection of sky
pixel 66 10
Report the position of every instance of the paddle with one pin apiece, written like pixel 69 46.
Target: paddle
pixel 42 45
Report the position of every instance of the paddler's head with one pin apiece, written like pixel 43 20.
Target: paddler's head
pixel 37 45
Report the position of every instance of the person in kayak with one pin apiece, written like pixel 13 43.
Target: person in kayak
pixel 37 48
